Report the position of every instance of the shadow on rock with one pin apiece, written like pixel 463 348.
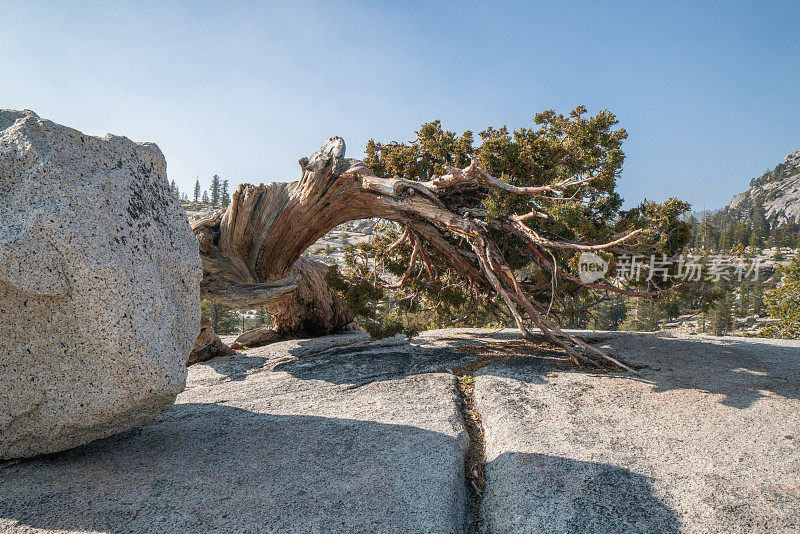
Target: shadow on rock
pixel 741 371
pixel 540 493
pixel 236 367
pixel 360 365
pixel 206 467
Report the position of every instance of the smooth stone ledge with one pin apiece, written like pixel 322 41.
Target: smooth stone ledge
pixel 707 440
pixel 351 436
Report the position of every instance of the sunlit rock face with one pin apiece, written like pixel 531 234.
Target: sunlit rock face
pixel 99 286
pixel 777 192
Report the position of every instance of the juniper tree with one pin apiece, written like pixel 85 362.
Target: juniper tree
pixel 494 225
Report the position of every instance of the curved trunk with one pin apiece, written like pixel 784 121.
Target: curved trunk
pixel 252 251
pixel 312 307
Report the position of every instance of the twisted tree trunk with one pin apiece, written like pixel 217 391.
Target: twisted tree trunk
pixel 252 251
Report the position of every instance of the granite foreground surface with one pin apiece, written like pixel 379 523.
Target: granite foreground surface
pixel 340 434
pixel 706 440
pixel 99 286
pixel 325 435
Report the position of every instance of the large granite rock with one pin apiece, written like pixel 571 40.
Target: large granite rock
pixel 706 440
pixel 99 277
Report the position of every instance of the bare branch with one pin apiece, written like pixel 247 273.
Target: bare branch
pixel 246 296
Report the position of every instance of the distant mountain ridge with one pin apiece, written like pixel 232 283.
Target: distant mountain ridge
pixel 766 215
pixel 777 191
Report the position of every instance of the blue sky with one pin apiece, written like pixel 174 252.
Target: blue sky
pixel 709 94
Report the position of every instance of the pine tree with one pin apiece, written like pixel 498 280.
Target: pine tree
pixel 205 197
pixel 694 222
pixel 757 298
pixel 223 319
pixel 722 316
pixel 226 198
pixel 175 192
pixel 609 314
pixel 215 191
pixel 705 238
pixel 742 234
pixel 726 238
pixel 260 319
pixel 783 304
pixel 760 227
pixel 643 316
pixel 197 189
pixel 745 296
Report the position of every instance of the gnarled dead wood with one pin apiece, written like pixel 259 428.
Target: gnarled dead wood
pixel 252 250
pixel 207 345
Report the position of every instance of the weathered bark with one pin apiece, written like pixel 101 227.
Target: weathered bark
pixel 312 306
pixel 207 345
pixel 252 251
pixel 256 338
pixel 254 248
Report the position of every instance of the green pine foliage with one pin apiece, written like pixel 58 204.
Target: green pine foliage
pixel 216 191
pixel 262 319
pixel 783 304
pixel 556 148
pixel 225 197
pixel 610 313
pixel 722 316
pixel 223 319
pixel 643 316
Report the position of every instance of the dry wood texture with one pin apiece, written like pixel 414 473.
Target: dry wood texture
pixel 252 251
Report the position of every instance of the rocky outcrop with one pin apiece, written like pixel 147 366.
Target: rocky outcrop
pixel 99 286
pixel 777 192
pixel 705 441
pixel 327 435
